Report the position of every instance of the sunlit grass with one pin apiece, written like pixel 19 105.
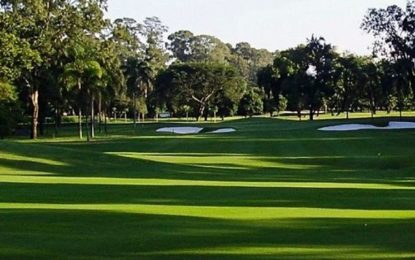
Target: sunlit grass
pixel 309 251
pixel 18 158
pixel 224 161
pixel 8 178
pixel 229 213
pixel 274 189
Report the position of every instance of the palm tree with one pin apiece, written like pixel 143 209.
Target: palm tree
pixel 82 75
pixel 140 77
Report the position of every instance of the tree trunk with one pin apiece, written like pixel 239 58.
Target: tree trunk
pixel 100 113
pixel 105 122
pixel 80 112
pixel 88 138
pixel 311 114
pixel 58 120
pixel 34 98
pixel 80 123
pixel 135 111
pixel 201 111
pixel 92 117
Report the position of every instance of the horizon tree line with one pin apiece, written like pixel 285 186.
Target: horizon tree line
pixel 61 56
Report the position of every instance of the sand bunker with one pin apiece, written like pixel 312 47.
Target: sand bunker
pixel 223 131
pixel 356 127
pixel 180 130
pixel 192 130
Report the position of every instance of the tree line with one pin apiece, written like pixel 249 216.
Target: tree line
pixel 62 57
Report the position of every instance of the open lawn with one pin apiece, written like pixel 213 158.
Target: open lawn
pixel 274 189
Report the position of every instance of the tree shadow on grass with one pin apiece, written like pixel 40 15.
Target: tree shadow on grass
pixel 93 234
pixel 97 162
pixel 206 196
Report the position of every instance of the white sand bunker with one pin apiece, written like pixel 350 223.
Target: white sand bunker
pixel 180 130
pixel 223 131
pixel 356 127
pixel 192 130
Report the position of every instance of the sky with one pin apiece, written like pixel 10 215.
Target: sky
pixel 269 24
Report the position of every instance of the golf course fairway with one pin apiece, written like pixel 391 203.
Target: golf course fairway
pixel 272 189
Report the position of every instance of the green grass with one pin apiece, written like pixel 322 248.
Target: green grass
pixel 274 189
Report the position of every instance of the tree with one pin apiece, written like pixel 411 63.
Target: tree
pixel 82 75
pixel 320 72
pixel 249 60
pixel 267 80
pixel 369 80
pixel 273 78
pixel 140 77
pixel 45 28
pixel 155 54
pixel 394 30
pixel 187 47
pixel 9 109
pixel 251 103
pixel 199 85
pixel 181 45
pixel 403 91
pixel 125 33
pixel 349 68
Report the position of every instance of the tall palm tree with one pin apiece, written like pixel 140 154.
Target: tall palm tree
pixel 82 75
pixel 140 76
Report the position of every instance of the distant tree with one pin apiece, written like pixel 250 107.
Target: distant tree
pixel 320 58
pixel 187 47
pixel 251 103
pixel 347 89
pixel 126 33
pixel 249 60
pixel 200 85
pixel 283 103
pixel 9 109
pixel 155 53
pixel 82 75
pixel 140 77
pixel 181 45
pixel 403 91
pixel 394 30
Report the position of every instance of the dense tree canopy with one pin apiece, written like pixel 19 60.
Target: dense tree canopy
pixel 201 86
pixel 63 57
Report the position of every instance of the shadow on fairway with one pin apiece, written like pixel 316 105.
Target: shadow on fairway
pixel 330 198
pixel 325 165
pixel 266 165
pixel 75 234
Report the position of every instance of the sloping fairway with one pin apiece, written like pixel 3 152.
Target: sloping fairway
pixel 273 189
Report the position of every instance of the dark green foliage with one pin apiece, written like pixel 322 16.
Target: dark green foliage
pixel 10 111
pixel 200 86
pixel 251 103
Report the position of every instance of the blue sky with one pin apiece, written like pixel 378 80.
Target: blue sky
pixel 270 24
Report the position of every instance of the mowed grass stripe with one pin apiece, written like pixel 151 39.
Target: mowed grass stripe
pixel 314 252
pixel 232 213
pixel 274 189
pixel 195 183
